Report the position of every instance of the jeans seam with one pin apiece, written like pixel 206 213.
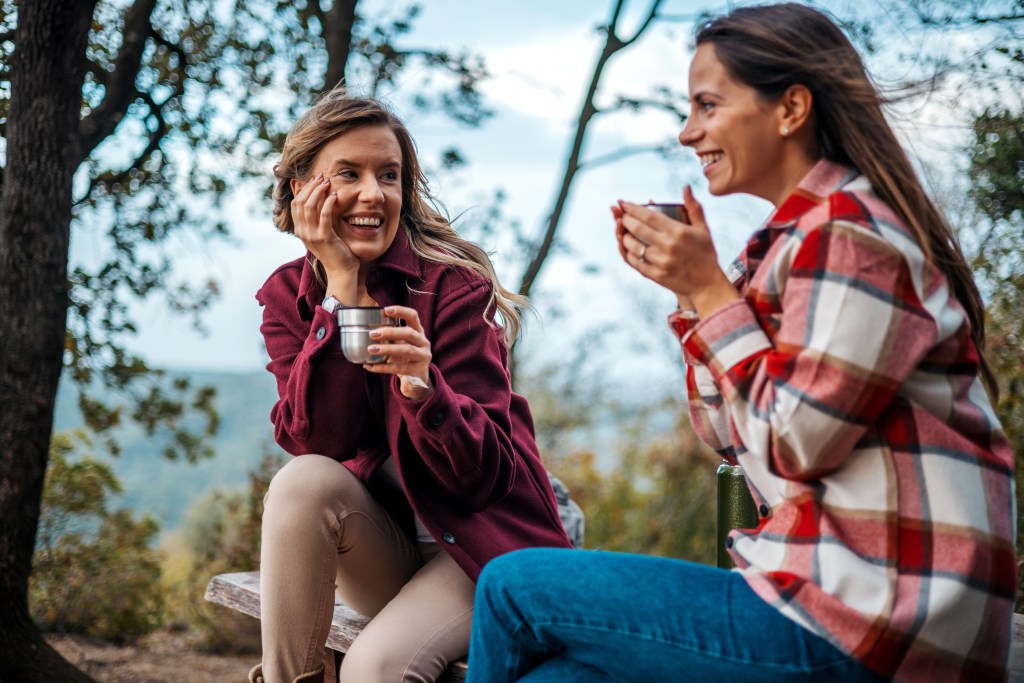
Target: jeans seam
pixel 780 666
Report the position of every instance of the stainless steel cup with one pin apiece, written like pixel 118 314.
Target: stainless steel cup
pixel 673 211
pixel 355 324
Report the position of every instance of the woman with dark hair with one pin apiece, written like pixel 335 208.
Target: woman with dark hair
pixel 839 362
pixel 414 472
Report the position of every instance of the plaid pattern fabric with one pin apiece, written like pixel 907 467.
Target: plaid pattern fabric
pixel 845 383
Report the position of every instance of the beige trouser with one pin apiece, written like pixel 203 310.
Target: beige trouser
pixel 322 530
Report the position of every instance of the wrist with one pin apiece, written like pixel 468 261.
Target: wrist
pixel 710 300
pixel 344 289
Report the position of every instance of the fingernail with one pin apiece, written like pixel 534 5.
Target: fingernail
pixel 374 349
pixel 375 334
pixel 318 176
pixel 388 310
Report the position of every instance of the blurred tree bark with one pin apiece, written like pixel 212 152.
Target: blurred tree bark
pixel 43 146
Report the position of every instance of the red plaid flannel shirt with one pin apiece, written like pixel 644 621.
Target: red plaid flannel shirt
pixel 845 383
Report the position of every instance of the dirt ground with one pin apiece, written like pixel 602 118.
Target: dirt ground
pixel 161 657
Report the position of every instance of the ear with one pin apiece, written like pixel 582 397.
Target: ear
pixel 297 186
pixel 794 109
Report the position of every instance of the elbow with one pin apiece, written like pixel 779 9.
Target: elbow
pixel 488 485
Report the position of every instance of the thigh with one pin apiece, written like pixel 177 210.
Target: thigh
pixel 423 629
pixel 317 513
pixel 646 618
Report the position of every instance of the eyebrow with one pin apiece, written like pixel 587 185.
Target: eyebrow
pixel 346 162
pixel 704 93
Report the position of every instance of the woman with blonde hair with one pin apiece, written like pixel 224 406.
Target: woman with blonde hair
pixel 839 362
pixel 414 472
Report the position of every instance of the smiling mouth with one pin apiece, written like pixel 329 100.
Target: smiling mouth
pixel 708 159
pixel 363 222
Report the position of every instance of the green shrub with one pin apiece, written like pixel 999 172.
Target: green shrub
pixel 220 533
pixel 93 571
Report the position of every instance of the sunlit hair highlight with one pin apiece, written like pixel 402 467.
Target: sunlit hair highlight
pixel 430 234
pixel 772 47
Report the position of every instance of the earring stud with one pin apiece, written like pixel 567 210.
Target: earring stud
pixel 785 130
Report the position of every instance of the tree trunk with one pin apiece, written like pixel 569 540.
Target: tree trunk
pixel 46 76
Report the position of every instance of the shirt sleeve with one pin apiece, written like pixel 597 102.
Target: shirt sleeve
pixel 323 405
pixel 852 329
pixel 709 414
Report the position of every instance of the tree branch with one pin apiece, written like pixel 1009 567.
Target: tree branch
pixel 652 14
pixel 120 87
pixel 624 153
pixel 572 164
pixel 155 138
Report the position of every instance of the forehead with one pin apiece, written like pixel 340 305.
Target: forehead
pixel 365 144
pixel 708 73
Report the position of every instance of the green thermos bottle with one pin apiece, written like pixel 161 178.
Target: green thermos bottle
pixel 736 508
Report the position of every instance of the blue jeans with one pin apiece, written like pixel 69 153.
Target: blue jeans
pixel 561 616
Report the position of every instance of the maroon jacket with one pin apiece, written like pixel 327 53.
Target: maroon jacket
pixel 467 455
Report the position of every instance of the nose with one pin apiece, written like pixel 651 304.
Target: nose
pixel 690 133
pixel 370 191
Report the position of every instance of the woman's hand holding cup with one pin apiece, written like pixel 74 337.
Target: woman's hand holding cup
pixel 407 350
pixel 677 254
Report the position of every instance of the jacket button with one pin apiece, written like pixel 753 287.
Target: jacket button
pixel 448 538
pixel 436 419
pixel 728 542
pixel 321 333
pixel 763 510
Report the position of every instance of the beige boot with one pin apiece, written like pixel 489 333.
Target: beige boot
pixel 256 675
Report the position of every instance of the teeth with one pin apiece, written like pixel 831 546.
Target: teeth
pixel 367 222
pixel 708 159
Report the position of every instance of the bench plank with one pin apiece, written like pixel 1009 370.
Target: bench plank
pixel 241 591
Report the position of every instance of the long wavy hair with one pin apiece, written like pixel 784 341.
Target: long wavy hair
pixel 773 47
pixel 430 234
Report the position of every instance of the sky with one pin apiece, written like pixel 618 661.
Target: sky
pixel 540 55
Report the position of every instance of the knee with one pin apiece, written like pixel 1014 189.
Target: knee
pixel 374 663
pixel 308 482
pixel 510 575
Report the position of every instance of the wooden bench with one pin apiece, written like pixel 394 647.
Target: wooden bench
pixel 241 591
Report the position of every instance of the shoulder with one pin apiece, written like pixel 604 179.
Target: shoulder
pixel 452 282
pixel 283 284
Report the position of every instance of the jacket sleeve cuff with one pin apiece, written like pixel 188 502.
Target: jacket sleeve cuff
pixel 726 339
pixel 432 416
pixel 681 321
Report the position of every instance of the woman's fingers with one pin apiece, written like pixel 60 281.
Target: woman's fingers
pixel 694 210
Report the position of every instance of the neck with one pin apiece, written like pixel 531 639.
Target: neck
pixel 794 168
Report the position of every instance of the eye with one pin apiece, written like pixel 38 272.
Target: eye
pixel 390 175
pixel 345 173
pixel 705 105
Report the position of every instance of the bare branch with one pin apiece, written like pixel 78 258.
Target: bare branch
pixel 120 86
pixel 572 164
pixel 652 14
pixel 625 153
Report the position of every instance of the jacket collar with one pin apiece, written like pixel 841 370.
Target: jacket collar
pixel 824 178
pixel 399 258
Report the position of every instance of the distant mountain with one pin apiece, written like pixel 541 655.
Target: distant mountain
pixel 164 488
